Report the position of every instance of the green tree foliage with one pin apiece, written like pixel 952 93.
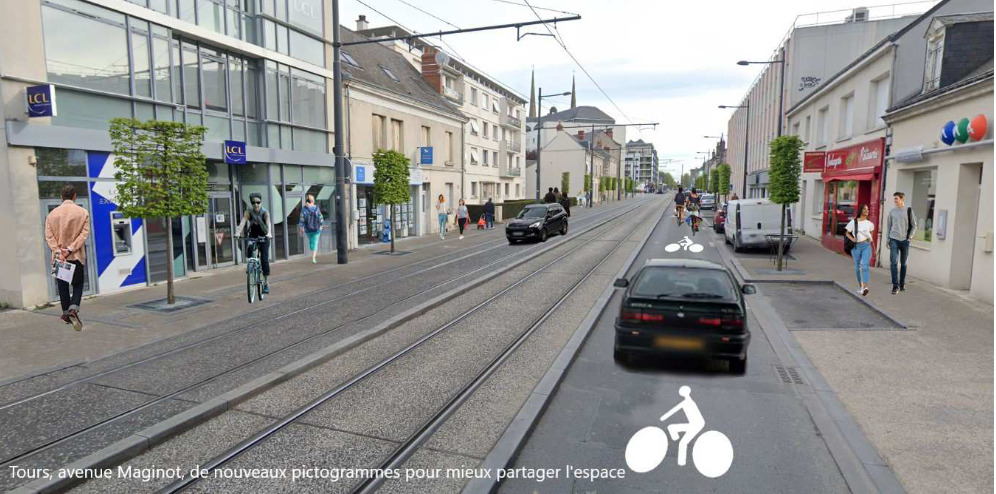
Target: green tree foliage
pixel 587 182
pixel 391 187
pixel 161 173
pixel 669 180
pixel 783 178
pixel 565 183
pixel 714 181
pixel 686 180
pixel 724 178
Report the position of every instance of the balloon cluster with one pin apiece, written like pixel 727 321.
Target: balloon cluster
pixel 965 130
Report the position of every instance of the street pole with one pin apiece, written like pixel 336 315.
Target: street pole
pixel 539 140
pixel 342 216
pixel 746 143
pixel 781 92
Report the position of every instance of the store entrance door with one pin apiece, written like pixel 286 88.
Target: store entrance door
pixel 214 229
pixel 47 205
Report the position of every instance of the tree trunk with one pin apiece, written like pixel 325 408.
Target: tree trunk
pixel 393 226
pixel 781 239
pixel 170 299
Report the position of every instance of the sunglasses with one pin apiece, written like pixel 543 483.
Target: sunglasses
pixel 256 202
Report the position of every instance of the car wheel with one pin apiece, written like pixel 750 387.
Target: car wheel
pixel 726 239
pixel 563 231
pixel 512 242
pixel 738 366
pixel 542 235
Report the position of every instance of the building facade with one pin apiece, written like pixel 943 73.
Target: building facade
pixel 813 50
pixel 254 72
pixel 563 153
pixel 641 164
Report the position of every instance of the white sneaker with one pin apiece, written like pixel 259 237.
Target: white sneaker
pixel 461 237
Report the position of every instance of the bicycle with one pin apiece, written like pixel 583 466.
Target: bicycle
pixel 254 271
pixel 694 219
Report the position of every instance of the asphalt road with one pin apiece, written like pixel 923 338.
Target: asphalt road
pixel 600 404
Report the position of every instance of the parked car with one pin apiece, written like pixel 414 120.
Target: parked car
pixel 707 201
pixel 749 220
pixel 719 220
pixel 537 221
pixel 683 308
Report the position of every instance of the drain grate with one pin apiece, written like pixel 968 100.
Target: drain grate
pixel 789 375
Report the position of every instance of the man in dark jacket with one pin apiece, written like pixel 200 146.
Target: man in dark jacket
pixel 550 197
pixel 489 214
pixel 565 201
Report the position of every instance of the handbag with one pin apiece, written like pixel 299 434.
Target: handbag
pixel 848 243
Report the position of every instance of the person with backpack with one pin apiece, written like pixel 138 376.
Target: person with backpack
pixel 902 226
pixel 311 225
pixel 859 231
pixel 256 224
pixel 489 214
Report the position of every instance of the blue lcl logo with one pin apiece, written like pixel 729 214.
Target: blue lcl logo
pixel 41 100
pixel 235 152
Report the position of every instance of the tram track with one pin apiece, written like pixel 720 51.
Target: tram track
pixel 599 221
pixel 407 447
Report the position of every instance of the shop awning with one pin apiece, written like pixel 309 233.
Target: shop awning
pixel 852 176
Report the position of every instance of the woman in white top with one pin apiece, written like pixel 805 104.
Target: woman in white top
pixel 441 213
pixel 862 246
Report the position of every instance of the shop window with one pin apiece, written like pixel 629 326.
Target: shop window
pixel 70 28
pixel 61 163
pixel 842 201
pixel 922 202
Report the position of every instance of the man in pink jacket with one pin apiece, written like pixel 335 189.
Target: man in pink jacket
pixel 66 229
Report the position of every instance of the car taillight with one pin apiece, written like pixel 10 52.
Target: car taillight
pixel 710 321
pixel 634 315
pixel 732 322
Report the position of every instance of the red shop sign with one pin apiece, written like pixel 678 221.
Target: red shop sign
pixel 814 162
pixel 866 157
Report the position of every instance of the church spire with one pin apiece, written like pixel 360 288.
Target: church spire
pixel 532 96
pixel 574 94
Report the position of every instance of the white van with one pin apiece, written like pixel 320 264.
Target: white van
pixel 749 220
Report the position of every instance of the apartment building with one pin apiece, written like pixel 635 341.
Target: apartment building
pixel 254 72
pixel 817 46
pixel 641 164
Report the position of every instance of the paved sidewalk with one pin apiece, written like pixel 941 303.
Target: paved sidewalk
pixel 924 396
pixel 36 341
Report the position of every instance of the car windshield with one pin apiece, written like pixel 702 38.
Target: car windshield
pixel 683 283
pixel 539 212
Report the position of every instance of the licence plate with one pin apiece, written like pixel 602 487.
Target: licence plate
pixel 674 343
pixel 517 234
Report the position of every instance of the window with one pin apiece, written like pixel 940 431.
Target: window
pixel 306 14
pixel 390 74
pixel 795 129
pixel 283 79
pixel 486 154
pixel 186 10
pixel 308 99
pixel 473 127
pixel 473 189
pixel 191 78
pixel 473 96
pixel 822 127
pixel 922 202
pixel 473 156
pixel 215 84
pixel 141 67
pixel 235 77
pixel 518 192
pixel 209 15
pixel 486 127
pixel 346 57
pixel 448 152
pixel 879 102
pixel 252 90
pixel 397 137
pixel 506 189
pixel 426 137
pixel 494 158
pixel 932 70
pixel 306 48
pixel 71 28
pixel 379 133
pixel 494 106
pixel 161 63
pixel 806 135
pixel 484 101
pixel 494 132
pixel 846 123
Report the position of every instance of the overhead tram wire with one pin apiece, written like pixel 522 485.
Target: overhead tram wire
pixel 537 8
pixel 583 69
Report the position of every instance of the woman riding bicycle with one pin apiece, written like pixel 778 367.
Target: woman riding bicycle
pixel 679 204
pixel 692 204
pixel 255 225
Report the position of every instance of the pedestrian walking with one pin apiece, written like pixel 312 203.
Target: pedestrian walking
pixel 902 226
pixel 557 195
pixel 441 213
pixel 256 224
pixel 860 231
pixel 734 197
pixel 66 230
pixel 462 216
pixel 549 197
pixel 311 225
pixel 565 202
pixel 489 214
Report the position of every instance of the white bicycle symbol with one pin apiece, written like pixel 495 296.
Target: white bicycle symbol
pixel 712 453
pixel 686 244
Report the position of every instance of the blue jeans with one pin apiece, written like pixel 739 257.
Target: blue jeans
pixel 899 250
pixel 489 220
pixel 442 224
pixel 862 254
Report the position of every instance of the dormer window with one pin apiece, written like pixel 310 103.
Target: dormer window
pixel 935 54
pixel 346 57
pixel 390 74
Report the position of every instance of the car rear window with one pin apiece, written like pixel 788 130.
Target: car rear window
pixel 683 283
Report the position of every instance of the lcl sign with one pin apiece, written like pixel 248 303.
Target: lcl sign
pixel 40 100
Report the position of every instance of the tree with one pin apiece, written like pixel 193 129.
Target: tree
pixel 714 181
pixel 669 180
pixel 686 180
pixel 161 173
pixel 391 182
pixel 587 182
pixel 783 179
pixel 565 184
pixel 724 179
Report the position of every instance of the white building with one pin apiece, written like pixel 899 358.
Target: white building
pixel 565 152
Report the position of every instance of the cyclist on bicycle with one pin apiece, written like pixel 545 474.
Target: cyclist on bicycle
pixel 679 204
pixel 255 225
pixel 692 203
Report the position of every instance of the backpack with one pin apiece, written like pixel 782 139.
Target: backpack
pixel 311 221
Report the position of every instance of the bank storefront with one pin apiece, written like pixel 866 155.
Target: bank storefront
pixel 372 217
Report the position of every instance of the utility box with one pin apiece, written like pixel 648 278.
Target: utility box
pixel 120 234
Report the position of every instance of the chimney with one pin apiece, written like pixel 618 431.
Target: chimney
pixel 560 126
pixel 609 133
pixel 361 23
pixel 581 135
pixel 431 71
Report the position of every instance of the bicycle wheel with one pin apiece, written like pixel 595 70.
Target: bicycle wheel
pixel 695 248
pixel 251 282
pixel 646 449
pixel 672 247
pixel 259 283
pixel 712 454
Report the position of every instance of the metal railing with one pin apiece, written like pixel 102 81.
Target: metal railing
pixel 453 94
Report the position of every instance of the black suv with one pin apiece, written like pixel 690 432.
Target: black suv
pixel 537 221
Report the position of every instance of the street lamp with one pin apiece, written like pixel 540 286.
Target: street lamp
pixel 746 141
pixel 781 83
pixel 539 136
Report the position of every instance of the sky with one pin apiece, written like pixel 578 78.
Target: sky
pixel 657 60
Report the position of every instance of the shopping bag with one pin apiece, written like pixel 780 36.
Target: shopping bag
pixel 481 224
pixel 64 271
